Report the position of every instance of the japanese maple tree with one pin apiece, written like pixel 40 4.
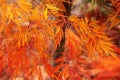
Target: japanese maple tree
pixel 42 40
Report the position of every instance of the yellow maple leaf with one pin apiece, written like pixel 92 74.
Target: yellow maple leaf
pixel 45 13
pixel 15 10
pixel 35 14
pixel 52 7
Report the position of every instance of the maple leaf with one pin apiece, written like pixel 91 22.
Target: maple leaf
pixel 107 68
pixel 14 12
pixel 52 7
pixel 69 62
pixel 117 49
pixel 91 33
pixel 112 20
pixel 116 4
pixel 58 37
pixel 46 13
pixel 35 14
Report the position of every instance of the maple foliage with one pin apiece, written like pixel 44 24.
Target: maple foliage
pixel 34 32
pixel 106 69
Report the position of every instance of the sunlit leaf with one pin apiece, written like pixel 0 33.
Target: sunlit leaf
pixel 46 13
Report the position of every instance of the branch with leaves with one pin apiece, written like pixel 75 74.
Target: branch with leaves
pixel 41 39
